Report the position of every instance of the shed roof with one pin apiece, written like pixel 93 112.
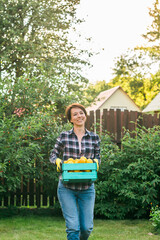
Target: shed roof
pixel 154 105
pixel 103 97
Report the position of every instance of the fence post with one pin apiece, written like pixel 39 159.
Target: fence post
pixel 112 123
pixel 24 193
pixel 87 125
pixel 31 192
pixel 92 121
pixel 98 122
pixel 132 122
pixel 38 194
pixel 119 127
pixel 104 120
pixel 145 120
pixel 155 119
pixel 139 119
pixel 126 119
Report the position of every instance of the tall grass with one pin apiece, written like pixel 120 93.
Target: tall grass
pixel 53 228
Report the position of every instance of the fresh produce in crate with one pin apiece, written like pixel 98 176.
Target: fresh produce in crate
pixel 79 170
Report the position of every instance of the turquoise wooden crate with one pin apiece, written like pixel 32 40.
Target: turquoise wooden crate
pixel 75 177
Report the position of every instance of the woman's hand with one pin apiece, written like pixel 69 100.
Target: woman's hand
pixel 96 161
pixel 59 164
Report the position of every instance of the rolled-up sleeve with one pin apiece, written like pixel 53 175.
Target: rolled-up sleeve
pixel 55 153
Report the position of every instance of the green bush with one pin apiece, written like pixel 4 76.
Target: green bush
pixel 128 180
pixel 155 218
pixel 28 130
pixel 25 145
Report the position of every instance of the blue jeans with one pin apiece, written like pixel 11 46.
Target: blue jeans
pixel 78 211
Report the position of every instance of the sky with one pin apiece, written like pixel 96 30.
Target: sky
pixel 114 27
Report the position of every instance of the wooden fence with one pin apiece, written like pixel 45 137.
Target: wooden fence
pixel 114 122
pixel 29 195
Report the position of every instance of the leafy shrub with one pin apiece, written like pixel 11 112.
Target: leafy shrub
pixel 155 218
pixel 129 178
pixel 29 127
pixel 25 145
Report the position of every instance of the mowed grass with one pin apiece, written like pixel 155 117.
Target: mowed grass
pixel 53 228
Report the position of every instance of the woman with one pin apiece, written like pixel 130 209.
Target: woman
pixel 76 200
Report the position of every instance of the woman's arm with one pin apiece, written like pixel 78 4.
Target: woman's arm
pixel 55 153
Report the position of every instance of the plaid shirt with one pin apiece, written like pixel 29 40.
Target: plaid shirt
pixel 67 144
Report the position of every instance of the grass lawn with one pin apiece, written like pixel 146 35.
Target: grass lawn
pixel 53 228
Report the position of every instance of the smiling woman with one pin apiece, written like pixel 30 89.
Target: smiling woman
pixel 78 119
pixel 77 199
pixel 74 110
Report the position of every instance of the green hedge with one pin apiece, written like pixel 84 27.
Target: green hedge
pixel 128 180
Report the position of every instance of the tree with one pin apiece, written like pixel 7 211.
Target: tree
pixel 153 33
pixel 92 90
pixel 34 45
pixel 132 73
pixel 34 37
pixel 134 70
